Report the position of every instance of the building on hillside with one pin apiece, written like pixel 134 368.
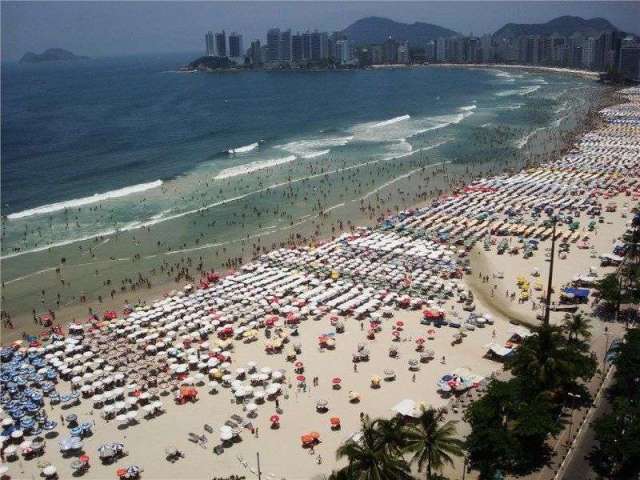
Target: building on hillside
pixel 403 53
pixel 209 44
pixel 390 51
pixel 221 44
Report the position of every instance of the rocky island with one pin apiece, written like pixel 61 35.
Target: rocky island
pixel 50 55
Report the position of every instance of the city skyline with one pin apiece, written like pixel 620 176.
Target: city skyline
pixel 104 30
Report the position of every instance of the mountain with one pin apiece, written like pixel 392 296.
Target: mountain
pixel 565 26
pixel 371 30
pixel 51 55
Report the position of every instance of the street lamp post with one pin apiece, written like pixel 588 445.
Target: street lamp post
pixel 547 309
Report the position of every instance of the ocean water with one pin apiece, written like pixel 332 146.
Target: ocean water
pixel 108 159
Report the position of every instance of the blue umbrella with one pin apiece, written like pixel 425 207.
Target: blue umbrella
pixel 49 425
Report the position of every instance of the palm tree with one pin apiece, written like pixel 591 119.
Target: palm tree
pixel 432 442
pixel 577 326
pixel 549 364
pixel 390 435
pixel 368 458
pixel 540 357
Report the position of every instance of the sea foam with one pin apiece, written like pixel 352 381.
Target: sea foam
pixel 245 149
pixel 81 202
pixel 253 167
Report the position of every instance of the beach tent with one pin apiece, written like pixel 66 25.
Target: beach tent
pixel 406 407
pixel 498 350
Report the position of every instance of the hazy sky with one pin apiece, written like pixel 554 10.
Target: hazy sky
pixel 116 28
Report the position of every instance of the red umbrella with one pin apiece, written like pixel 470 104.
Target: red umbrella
pixel 84 458
pixel 420 340
pixel 300 378
pixel 336 380
pixel 399 323
pixel 274 419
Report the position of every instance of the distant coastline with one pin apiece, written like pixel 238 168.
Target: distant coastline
pixel 539 68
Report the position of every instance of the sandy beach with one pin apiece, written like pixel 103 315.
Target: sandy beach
pixel 365 291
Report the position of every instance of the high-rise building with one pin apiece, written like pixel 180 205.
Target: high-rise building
pixel 296 48
pixel 403 53
pixel 221 44
pixel 629 63
pixel 273 45
pixel 589 53
pixel 208 40
pixel 306 45
pixel 430 52
pixel 319 46
pixel 390 47
pixel 342 54
pixel 235 45
pixel 486 46
pixel 441 50
pixel 377 54
pixel 285 46
pixel 255 53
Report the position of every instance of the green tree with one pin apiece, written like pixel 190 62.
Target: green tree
pixel 577 327
pixel 368 459
pixel 618 433
pixel 509 429
pixel 551 365
pixel 390 434
pixel 432 441
pixel 610 291
pixel 618 449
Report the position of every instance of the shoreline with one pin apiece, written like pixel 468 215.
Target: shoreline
pixel 306 293
pixel 539 68
pixel 161 284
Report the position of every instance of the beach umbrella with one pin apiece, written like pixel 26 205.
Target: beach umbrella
pixel 49 471
pixel 105 451
pixel 336 380
pixel 274 419
pixel 300 378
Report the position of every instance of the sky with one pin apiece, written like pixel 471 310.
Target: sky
pixel 120 28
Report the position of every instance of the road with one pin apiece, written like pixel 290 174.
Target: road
pixel 577 467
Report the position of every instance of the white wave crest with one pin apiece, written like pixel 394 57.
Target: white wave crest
pixel 314 147
pixel 81 202
pixel 521 91
pixel 468 108
pixel 245 149
pixel 391 121
pixel 316 154
pixel 253 167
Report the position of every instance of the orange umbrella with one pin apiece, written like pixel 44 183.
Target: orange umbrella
pixel 306 439
pixel 121 472
pixel 314 435
pixel 335 420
